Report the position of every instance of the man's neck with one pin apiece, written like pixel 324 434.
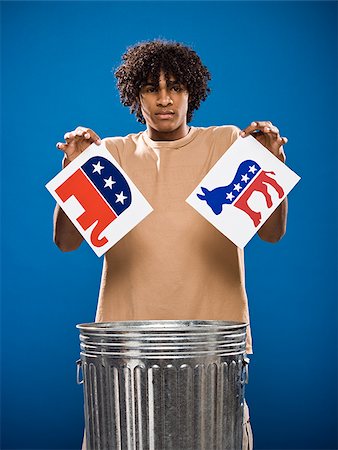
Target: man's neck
pixel 174 135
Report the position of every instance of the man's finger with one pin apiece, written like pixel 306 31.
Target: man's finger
pixel 272 131
pixel 67 136
pixel 89 134
pixel 263 123
pixel 82 132
pixel 79 133
pixel 259 127
pixel 61 146
pixel 249 129
pixel 80 129
pixel 92 136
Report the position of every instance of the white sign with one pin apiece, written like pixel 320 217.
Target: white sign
pixel 243 189
pixel 99 198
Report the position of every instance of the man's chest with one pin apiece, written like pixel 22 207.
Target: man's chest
pixel 168 178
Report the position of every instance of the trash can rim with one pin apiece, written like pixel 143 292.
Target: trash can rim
pixel 161 325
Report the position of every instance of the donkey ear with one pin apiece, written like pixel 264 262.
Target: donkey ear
pixel 204 190
pixel 202 197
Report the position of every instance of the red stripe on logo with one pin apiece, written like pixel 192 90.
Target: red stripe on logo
pixel 96 209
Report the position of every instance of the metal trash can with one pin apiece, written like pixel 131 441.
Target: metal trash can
pixel 163 385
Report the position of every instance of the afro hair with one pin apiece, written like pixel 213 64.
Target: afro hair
pixel 147 59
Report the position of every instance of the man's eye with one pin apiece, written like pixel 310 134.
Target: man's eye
pixel 150 89
pixel 177 88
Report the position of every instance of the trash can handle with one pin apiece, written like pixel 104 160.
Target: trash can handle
pixel 246 370
pixel 78 368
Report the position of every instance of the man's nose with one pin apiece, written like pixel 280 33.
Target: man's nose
pixel 164 98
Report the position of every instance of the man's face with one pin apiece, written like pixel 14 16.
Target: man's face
pixel 164 108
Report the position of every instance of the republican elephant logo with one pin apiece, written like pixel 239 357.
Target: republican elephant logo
pixel 103 193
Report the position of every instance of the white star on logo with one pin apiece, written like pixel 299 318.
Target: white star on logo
pixel 245 178
pixel 237 187
pixel 230 196
pixel 252 169
pixel 120 198
pixel 97 167
pixel 109 182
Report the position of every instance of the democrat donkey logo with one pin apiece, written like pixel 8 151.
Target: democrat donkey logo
pixel 249 178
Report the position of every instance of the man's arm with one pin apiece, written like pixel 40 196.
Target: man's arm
pixel 268 135
pixel 275 227
pixel 65 234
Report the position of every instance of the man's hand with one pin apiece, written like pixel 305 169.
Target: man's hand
pixel 76 142
pixel 268 135
pixel 66 236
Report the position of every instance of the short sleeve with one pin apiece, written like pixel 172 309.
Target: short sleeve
pixel 112 148
pixel 235 133
pixel 224 136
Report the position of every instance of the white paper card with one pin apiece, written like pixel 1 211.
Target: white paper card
pixel 243 189
pixel 99 198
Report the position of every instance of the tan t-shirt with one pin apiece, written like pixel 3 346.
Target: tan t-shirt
pixel 174 265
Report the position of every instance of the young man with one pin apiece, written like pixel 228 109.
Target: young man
pixel 174 264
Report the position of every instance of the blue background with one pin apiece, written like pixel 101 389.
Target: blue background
pixel 269 61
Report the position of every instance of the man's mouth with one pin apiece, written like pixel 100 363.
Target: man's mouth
pixel 165 114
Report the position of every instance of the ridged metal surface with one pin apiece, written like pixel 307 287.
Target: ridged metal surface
pixel 190 398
